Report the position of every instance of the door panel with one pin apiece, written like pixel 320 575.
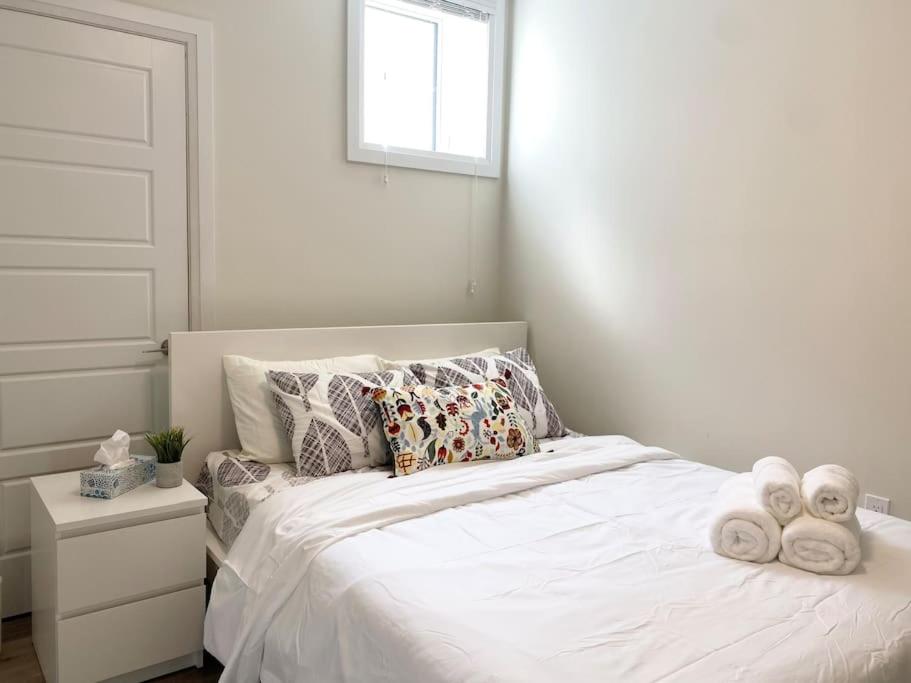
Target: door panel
pixel 122 396
pixel 115 204
pixel 17 582
pixel 83 305
pixel 14 526
pixel 79 41
pixel 90 98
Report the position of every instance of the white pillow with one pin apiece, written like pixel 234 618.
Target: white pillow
pixel 398 364
pixel 262 435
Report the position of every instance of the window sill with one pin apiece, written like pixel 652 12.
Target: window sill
pixel 441 163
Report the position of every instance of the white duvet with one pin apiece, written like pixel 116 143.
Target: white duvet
pixel 586 564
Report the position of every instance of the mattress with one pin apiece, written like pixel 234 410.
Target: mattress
pixel 588 562
pixel 236 486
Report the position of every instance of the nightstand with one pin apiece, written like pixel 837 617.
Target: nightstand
pixel 117 585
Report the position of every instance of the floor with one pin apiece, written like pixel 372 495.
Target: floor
pixel 19 663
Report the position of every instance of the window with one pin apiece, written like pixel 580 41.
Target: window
pixel 425 84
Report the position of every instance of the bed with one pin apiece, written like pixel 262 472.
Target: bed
pixel 587 561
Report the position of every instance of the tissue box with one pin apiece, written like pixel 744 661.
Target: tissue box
pixel 101 482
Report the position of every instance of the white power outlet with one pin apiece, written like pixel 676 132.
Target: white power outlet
pixel 877 503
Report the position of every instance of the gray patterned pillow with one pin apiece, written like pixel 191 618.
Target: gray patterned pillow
pixel 521 378
pixel 331 419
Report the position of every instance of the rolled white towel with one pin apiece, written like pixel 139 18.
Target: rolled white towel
pixel 777 486
pixel 830 492
pixel 820 546
pixel 740 527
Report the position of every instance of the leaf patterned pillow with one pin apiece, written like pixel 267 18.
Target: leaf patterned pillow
pixel 428 426
pixel 521 379
pixel 330 418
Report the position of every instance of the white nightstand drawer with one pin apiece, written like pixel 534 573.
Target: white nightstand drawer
pixel 97 569
pixel 100 645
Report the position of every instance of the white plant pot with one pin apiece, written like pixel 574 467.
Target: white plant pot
pixel 169 474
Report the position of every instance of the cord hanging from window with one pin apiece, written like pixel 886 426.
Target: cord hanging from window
pixel 472 236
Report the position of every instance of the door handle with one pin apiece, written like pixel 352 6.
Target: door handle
pixel 161 349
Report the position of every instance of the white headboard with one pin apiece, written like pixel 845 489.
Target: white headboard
pixel 199 396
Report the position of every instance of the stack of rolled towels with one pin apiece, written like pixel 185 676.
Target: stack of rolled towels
pixel 808 522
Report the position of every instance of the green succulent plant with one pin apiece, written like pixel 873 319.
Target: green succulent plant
pixel 168 445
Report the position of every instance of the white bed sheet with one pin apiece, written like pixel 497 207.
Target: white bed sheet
pixel 235 486
pixel 604 577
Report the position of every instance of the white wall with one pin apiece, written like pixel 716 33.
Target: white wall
pixel 305 238
pixel 708 225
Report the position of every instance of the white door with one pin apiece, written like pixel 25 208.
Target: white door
pixel 93 247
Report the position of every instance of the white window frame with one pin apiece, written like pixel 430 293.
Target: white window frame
pixel 359 150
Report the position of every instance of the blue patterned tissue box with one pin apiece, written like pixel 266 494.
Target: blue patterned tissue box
pixel 101 482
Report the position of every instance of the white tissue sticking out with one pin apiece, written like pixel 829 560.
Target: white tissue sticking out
pixel 114 452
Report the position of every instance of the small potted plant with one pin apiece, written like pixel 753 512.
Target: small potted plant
pixel 168 446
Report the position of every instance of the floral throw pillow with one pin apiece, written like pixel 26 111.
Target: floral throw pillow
pixel 521 377
pixel 427 426
pixel 330 418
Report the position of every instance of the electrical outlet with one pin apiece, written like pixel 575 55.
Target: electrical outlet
pixel 877 503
